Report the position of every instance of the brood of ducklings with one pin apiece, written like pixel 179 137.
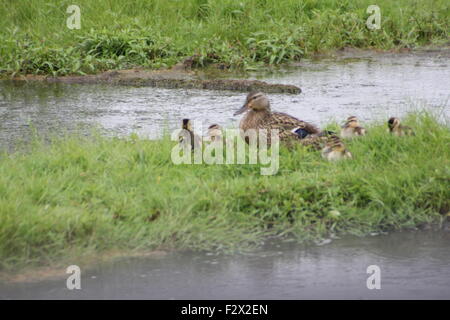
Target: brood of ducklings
pixel 398 129
pixel 260 116
pixel 351 128
pixel 193 141
pixel 215 132
pixel 335 150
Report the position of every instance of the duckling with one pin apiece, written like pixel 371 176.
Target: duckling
pixel 335 150
pixel 397 129
pixel 194 140
pixel 215 132
pixel 259 116
pixel 351 128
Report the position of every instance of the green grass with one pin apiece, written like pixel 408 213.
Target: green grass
pixel 82 195
pixel 245 34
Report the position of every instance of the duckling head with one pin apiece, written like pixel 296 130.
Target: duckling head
pixel 393 122
pixel 352 122
pixel 336 144
pixel 334 140
pixel 214 127
pixel 215 131
pixel 186 124
pixel 339 147
pixel 335 150
pixel 255 101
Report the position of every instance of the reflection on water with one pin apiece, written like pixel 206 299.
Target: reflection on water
pixel 372 89
pixel 414 265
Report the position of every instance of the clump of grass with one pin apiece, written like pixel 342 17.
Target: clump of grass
pixel 244 35
pixel 93 194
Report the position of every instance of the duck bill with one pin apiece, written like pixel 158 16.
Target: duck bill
pixel 241 110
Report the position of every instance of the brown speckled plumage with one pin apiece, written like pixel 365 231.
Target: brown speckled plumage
pixel 398 129
pixel 260 116
pixel 335 150
pixel 351 128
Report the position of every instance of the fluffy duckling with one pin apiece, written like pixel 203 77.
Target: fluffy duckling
pixel 351 128
pixel 194 141
pixel 260 116
pixel 398 129
pixel 335 150
pixel 215 132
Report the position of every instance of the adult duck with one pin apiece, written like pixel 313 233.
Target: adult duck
pixel 260 116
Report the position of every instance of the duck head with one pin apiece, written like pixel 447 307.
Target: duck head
pixel 335 149
pixel 214 127
pixel 215 132
pixel 352 122
pixel 393 122
pixel 255 101
pixel 335 143
pixel 186 124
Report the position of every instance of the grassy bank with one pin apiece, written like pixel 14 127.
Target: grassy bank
pixel 239 34
pixel 79 196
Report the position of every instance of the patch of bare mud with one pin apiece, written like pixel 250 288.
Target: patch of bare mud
pixel 58 270
pixel 169 79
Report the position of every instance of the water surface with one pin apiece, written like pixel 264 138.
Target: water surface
pixel 413 265
pixel 373 88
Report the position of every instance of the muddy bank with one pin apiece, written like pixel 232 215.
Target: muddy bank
pixel 58 270
pixel 168 79
pixel 183 76
pixel 278 270
pixel 370 85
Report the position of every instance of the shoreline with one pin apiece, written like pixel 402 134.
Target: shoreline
pixel 38 274
pixel 32 273
pixel 58 271
pixel 114 193
pixel 182 76
pixel 169 79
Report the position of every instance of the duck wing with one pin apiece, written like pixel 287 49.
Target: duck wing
pixel 285 122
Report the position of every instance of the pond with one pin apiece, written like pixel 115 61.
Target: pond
pixel 412 265
pixel 372 88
